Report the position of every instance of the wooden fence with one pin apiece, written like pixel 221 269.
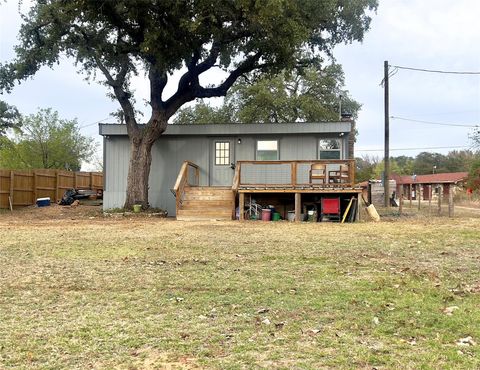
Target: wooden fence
pixel 24 187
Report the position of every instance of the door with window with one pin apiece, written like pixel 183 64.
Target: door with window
pixel 221 162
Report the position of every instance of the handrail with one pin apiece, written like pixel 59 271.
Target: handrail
pixel 182 181
pixel 293 171
pixel 184 172
pixel 325 161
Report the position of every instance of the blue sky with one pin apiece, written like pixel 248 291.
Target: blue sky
pixel 431 34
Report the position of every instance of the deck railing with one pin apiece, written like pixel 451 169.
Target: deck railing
pixel 185 179
pixel 295 173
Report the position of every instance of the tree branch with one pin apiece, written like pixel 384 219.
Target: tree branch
pixel 158 81
pixel 185 95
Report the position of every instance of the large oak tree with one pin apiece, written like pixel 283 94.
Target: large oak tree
pixel 122 38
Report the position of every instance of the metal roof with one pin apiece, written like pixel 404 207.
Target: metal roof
pixel 234 129
pixel 437 178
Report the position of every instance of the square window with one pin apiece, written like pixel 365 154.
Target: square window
pixel 330 149
pixel 267 150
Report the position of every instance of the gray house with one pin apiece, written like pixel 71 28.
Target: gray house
pixel 209 170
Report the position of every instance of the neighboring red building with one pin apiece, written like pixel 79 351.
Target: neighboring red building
pixel 430 185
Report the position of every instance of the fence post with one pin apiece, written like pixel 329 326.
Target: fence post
pixel 56 185
pixel 400 206
pixel 34 186
pixel 91 180
pixel 450 201
pixel 440 191
pixel 410 194
pixel 12 179
pixel 429 198
pixel 419 196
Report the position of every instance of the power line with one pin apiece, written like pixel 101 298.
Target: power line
pixel 433 123
pixel 436 71
pixel 448 113
pixel 425 148
pixel 94 123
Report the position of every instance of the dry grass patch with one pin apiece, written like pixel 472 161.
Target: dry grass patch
pixel 140 293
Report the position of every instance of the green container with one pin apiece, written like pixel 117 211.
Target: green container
pixel 276 216
pixel 137 208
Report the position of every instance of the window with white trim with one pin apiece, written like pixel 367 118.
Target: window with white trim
pixel 267 150
pixel 329 149
pixel 222 153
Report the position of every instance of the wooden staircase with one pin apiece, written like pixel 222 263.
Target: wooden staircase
pixel 206 203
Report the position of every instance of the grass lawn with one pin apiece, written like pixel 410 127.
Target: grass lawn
pixel 148 293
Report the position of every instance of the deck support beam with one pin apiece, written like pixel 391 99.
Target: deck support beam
pixel 298 206
pixel 241 206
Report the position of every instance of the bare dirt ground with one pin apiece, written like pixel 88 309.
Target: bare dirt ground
pixel 53 212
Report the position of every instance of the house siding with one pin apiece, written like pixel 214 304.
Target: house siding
pixel 169 152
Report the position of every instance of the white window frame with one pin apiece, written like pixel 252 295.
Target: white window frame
pixel 267 140
pixel 339 150
pixel 220 153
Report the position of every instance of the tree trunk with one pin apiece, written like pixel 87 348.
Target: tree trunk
pixel 138 172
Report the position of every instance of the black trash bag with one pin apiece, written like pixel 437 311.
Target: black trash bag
pixel 68 197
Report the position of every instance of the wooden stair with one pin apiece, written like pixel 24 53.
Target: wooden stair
pixel 202 203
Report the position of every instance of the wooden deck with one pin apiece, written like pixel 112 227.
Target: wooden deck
pixel 194 202
pixel 281 177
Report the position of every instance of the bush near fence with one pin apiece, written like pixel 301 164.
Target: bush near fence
pixel 24 187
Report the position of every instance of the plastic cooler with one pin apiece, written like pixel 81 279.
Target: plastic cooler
pixel 43 202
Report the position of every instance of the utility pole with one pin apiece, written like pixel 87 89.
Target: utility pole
pixel 386 160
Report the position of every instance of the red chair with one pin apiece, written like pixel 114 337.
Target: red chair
pixel 330 208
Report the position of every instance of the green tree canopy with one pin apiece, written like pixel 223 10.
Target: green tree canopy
pixel 473 180
pixel 118 39
pixel 365 168
pixel 9 118
pixel 303 95
pixel 46 141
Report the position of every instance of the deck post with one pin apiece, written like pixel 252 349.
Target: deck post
pixel 298 206
pixel 293 173
pixel 241 206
